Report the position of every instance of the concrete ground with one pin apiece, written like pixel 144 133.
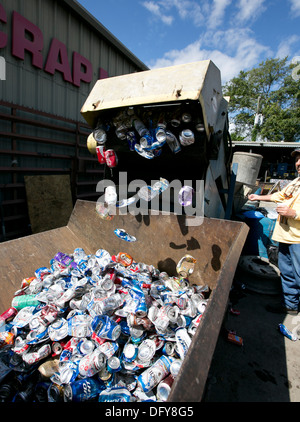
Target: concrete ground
pixel 267 367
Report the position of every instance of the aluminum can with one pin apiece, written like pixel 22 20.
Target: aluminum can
pixel 113 364
pixel 183 320
pixel 97 339
pixel 42 272
pixel 160 134
pixel 58 330
pixel 130 352
pixel 124 236
pixel 90 364
pixel 131 139
pixel 135 322
pixel 23 301
pixel 175 367
pixel 164 388
pixel 185 196
pixel 109 348
pixel 152 376
pixel 6 338
pixel 20 346
pixel 146 350
pixel 185 266
pixel 105 327
pixel 48 368
pixel 83 390
pixel 8 315
pixel 103 258
pixel 99 134
pixel 110 196
pixel 85 346
pixel 183 342
pixel 57 348
pixel 79 326
pixel 55 393
pixel 172 312
pixel 158 340
pixel 27 281
pixel 168 348
pixel 116 394
pixel 33 357
pixel 38 335
pixel 147 193
pixel 65 260
pixel 287 333
pixel 186 117
pixel 186 137
pixel 111 158
pixel 141 151
pixel 124 259
pixel 104 374
pixel 100 150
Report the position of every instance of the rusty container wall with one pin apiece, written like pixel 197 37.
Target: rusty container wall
pixel 162 240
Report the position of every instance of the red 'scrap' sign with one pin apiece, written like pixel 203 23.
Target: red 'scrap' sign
pixel 26 36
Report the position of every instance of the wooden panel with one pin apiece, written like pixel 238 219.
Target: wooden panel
pixel 49 201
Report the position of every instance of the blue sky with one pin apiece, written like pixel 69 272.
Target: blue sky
pixel 235 34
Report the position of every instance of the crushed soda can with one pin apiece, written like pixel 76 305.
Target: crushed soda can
pixel 146 350
pixel 111 158
pixel 286 332
pixel 185 196
pixel 105 327
pixel 151 377
pixel 122 234
pixel 183 341
pixel 100 151
pixel 83 390
pixel 185 266
pixel 113 364
pixel 90 364
pixel 130 352
pixel 33 356
pixel 118 394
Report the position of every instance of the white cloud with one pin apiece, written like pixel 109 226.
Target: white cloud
pixel 186 9
pixel 295 7
pixel 286 46
pixel 217 13
pixel 249 10
pixel 155 9
pixel 231 51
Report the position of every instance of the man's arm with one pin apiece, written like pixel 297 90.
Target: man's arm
pixel 254 197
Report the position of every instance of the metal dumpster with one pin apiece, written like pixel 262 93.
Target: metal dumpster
pixel 161 241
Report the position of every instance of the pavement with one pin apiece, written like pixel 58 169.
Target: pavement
pixel 266 367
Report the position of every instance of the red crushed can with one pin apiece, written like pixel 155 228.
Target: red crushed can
pixel 100 150
pixel 111 158
pixel 8 315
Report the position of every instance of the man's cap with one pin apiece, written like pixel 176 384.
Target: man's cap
pixel 295 152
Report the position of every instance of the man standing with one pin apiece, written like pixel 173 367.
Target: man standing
pixel 287 234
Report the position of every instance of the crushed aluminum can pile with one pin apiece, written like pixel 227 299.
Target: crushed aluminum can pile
pixel 98 328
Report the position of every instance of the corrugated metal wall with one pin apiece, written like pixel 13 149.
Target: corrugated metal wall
pixel 41 129
pixel 26 85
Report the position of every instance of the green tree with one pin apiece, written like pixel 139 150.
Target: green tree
pixel 271 90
